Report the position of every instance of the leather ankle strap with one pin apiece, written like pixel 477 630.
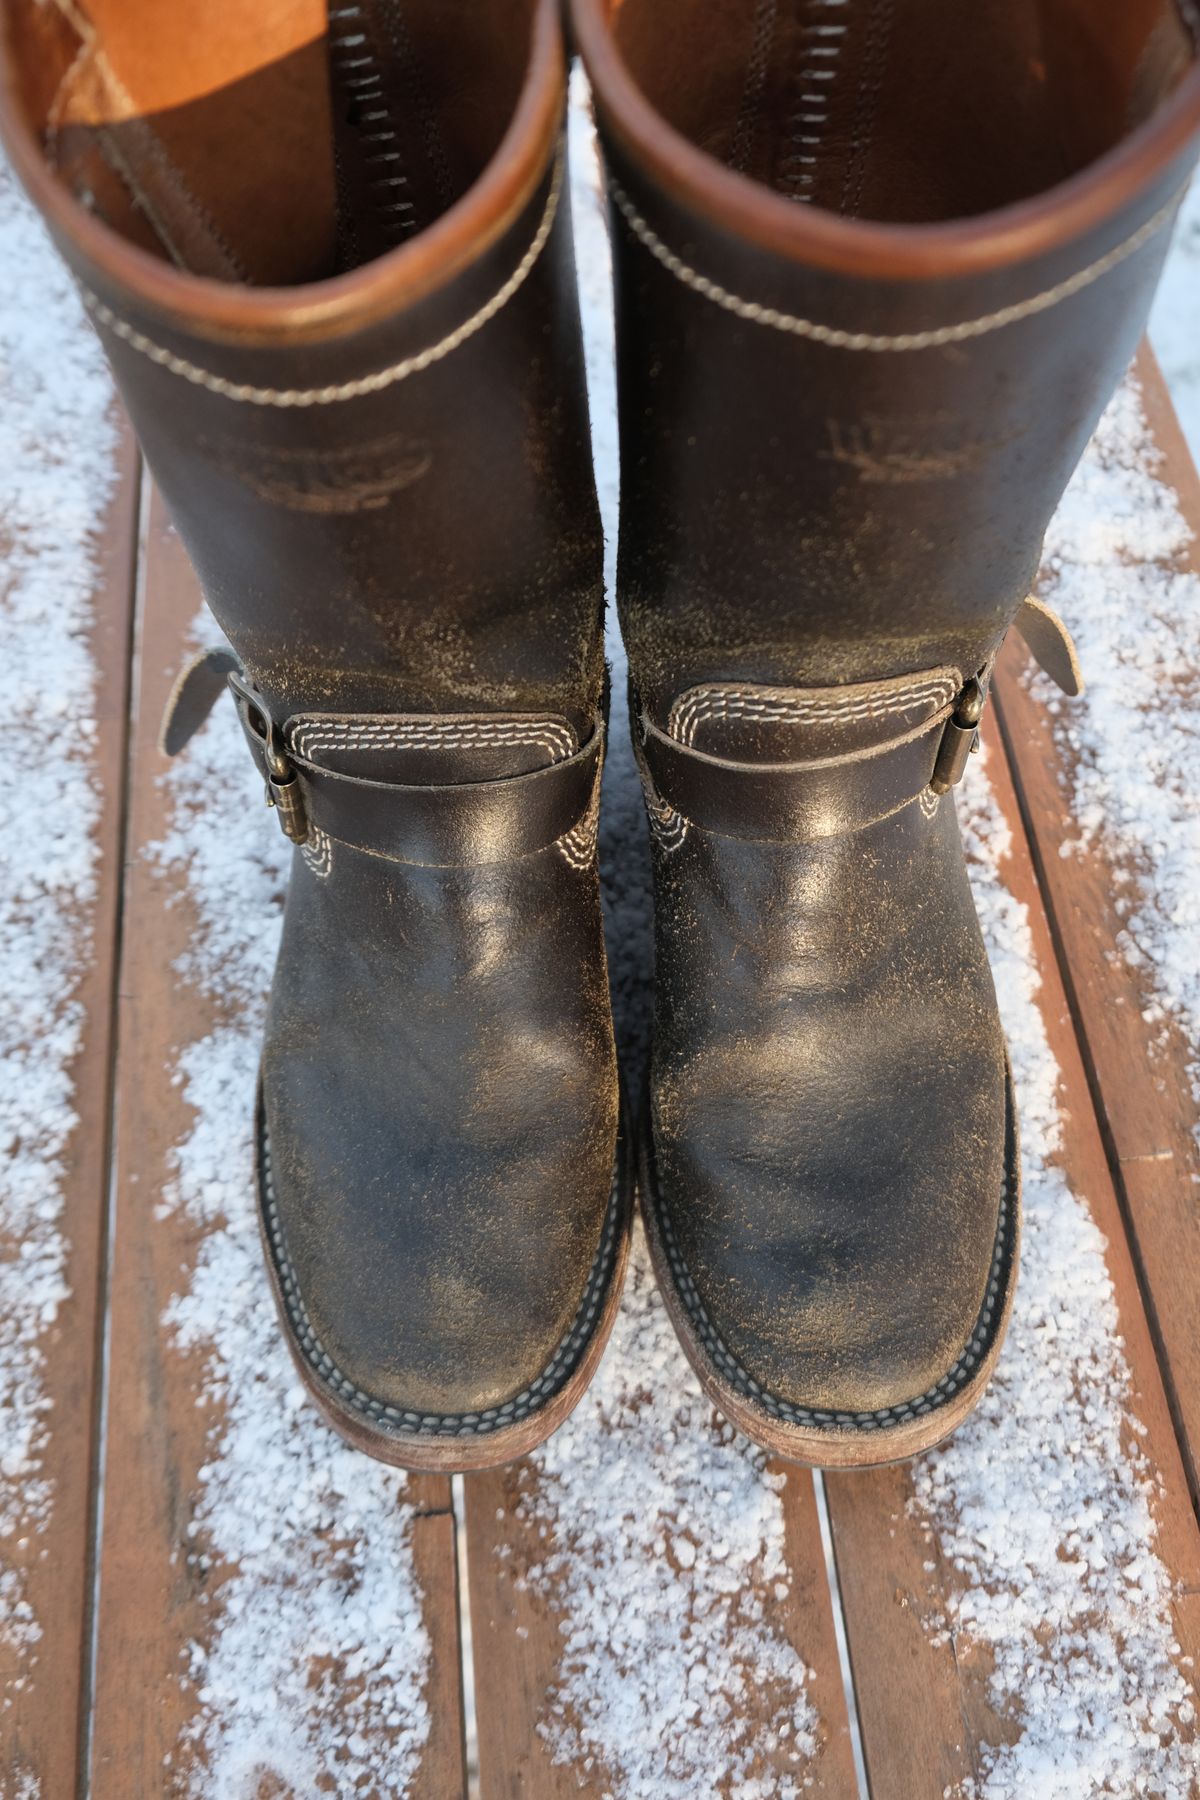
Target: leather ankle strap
pixel 821 797
pixel 871 749
pixel 444 825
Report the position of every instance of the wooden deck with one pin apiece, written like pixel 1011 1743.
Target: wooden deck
pixel 200 1634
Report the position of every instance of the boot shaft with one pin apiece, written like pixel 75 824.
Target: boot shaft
pixel 380 468
pixel 851 392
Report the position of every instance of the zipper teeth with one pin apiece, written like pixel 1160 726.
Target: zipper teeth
pixel 357 69
pixel 820 38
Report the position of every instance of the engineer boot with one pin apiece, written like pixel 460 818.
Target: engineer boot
pixel 878 267
pixel 329 256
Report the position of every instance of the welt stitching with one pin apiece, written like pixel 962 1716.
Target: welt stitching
pixel 531 1399
pixel 754 313
pixel 902 1411
pixel 247 394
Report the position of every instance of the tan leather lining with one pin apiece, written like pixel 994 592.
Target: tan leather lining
pixel 979 106
pixel 278 144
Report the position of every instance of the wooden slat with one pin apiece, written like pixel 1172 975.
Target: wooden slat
pixel 518 1618
pixel 922 1698
pixel 48 1570
pixel 156 1599
pixel 1143 1093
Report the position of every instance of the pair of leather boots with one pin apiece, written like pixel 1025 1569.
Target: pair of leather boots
pixel 878 266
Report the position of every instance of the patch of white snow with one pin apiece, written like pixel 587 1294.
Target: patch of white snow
pixel 315 1664
pixel 57 460
pixel 1044 1499
pixel 1115 568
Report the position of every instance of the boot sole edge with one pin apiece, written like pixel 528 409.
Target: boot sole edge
pixel 449 1453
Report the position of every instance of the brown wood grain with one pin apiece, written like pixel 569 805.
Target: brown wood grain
pixel 42 1693
pixel 1139 1084
pixel 517 1633
pixel 155 1600
pixel 923 1703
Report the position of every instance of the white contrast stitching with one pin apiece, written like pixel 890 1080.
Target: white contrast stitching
pixel 668 828
pixel 578 846
pixel 929 802
pixel 999 1281
pixel 431 733
pixel 317 851
pixel 249 395
pixel 554 1376
pixel 716 701
pixel 757 314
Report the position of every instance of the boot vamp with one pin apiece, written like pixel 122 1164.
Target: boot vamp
pixel 440 1102
pixel 830 1105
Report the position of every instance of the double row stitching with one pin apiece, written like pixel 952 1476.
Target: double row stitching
pixel 556 740
pixel 876 48
pixel 317 851
pixel 883 1417
pixel 668 828
pixel 248 395
pixel 577 847
pixel 703 703
pixel 754 86
pixel 756 314
pixel 493 1418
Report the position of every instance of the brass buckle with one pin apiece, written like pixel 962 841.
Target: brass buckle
pixel 960 737
pixel 283 786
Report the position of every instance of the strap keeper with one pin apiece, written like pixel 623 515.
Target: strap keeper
pixel 959 739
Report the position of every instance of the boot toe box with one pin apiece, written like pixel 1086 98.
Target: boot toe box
pixel 427 1283
pixel 838 1258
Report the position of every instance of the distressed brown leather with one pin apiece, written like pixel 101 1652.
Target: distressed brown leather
pixel 329 256
pixel 878 268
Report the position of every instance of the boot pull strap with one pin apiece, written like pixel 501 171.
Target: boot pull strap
pixel 1051 645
